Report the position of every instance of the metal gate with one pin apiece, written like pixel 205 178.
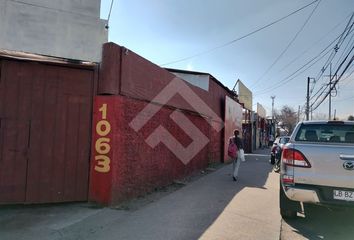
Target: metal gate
pixel 45 131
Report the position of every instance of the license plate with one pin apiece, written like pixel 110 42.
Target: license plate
pixel 343 195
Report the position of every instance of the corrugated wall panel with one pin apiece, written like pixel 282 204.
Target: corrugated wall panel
pixel 14 135
pixel 13 160
pixel 47 127
pixel 34 174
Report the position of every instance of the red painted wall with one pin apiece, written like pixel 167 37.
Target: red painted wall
pixel 125 73
pixel 102 150
pixel 135 167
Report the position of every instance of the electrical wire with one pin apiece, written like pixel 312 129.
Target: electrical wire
pixel 109 14
pixel 329 61
pixel 314 44
pixel 50 8
pixel 295 73
pixel 345 49
pixel 239 38
pixel 288 46
pixel 337 80
pixel 318 91
pixel 337 46
pixel 323 91
pixel 348 76
pixel 331 57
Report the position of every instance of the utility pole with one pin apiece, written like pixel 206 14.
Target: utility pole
pixel 308 99
pixel 298 114
pixel 273 123
pixel 330 91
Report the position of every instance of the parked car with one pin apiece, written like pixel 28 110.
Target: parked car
pixel 278 151
pixel 317 166
pixel 279 142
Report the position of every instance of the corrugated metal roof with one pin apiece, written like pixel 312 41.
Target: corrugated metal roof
pixel 42 58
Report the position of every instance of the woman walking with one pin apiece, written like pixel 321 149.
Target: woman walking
pixel 237 160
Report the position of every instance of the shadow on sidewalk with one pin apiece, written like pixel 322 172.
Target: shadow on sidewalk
pixel 182 214
pixel 321 223
pixel 190 211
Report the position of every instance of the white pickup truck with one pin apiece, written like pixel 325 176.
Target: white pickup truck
pixel 317 166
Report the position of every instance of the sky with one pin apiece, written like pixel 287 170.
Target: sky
pixel 166 31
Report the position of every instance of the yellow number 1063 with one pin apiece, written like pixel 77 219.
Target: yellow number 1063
pixel 103 128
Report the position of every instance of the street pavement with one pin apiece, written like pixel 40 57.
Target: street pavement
pixel 210 207
pixel 320 223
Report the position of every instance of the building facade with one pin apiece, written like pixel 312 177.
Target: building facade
pixel 66 28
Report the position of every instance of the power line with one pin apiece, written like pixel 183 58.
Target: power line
pixel 50 8
pixel 345 49
pixel 325 86
pixel 295 73
pixel 337 80
pixel 109 14
pixel 323 91
pixel 348 76
pixel 319 90
pixel 337 46
pixel 331 57
pixel 314 44
pixel 240 38
pixel 347 30
pixel 288 46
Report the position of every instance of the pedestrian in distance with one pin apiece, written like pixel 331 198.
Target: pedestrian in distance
pixel 236 140
pixel 271 140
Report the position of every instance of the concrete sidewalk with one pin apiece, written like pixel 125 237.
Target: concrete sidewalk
pixel 212 207
pixel 253 213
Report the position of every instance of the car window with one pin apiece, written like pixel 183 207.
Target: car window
pixel 337 133
pixel 284 140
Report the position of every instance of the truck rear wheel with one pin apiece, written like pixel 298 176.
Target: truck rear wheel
pixel 288 208
pixel 286 213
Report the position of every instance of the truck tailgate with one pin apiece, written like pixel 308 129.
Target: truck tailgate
pixel 330 165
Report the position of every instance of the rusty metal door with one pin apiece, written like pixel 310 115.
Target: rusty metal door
pixel 45 113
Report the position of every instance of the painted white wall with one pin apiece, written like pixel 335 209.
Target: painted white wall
pixel 199 80
pixel 62 28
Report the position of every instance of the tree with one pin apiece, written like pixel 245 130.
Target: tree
pixel 288 116
pixel 351 118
